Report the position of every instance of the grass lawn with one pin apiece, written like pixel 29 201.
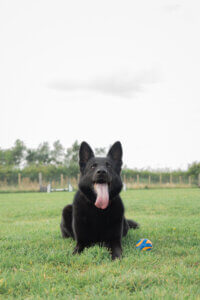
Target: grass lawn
pixel 36 263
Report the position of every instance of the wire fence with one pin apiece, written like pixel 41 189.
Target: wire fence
pixel 159 180
pixel 134 182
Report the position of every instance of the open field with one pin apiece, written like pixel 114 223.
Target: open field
pixel 36 263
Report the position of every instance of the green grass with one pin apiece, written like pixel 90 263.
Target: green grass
pixel 36 263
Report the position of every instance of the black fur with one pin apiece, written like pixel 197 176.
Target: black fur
pixel 82 220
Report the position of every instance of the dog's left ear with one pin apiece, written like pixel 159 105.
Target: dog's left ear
pixel 85 153
pixel 115 153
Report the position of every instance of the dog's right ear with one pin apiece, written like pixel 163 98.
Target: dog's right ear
pixel 85 153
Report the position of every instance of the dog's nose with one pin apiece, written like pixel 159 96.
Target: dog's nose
pixel 102 171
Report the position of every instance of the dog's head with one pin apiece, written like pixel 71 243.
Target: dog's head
pixel 100 179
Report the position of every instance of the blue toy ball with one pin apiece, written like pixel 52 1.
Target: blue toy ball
pixel 144 245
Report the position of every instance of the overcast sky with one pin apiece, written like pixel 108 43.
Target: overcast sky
pixel 102 71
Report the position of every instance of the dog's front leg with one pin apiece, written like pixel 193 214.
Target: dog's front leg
pixel 79 248
pixel 116 249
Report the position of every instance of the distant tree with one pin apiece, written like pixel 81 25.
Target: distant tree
pixel 1 157
pixel 72 158
pixel 194 168
pixel 31 156
pixel 18 152
pixel 72 154
pixel 6 157
pixel 57 154
pixel 100 151
pixel 43 153
pixel 13 156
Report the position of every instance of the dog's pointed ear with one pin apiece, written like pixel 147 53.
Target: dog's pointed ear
pixel 115 153
pixel 85 153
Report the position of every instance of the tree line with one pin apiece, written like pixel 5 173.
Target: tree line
pixel 50 161
pixel 56 160
pixel 19 155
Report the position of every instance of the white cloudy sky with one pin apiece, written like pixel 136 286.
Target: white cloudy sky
pixel 103 71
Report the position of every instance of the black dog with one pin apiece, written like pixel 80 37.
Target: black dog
pixel 97 212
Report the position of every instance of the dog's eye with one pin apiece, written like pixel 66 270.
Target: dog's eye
pixel 93 166
pixel 108 165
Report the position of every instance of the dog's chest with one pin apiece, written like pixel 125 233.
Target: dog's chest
pixel 97 226
pixel 96 221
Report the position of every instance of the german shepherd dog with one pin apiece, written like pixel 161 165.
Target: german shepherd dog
pixel 97 212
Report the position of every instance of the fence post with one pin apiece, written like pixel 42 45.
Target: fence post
pixel 160 179
pixel 149 179
pixel 189 180
pixel 171 179
pixel 124 179
pixel 19 179
pixel 61 180
pixel 78 178
pixel 138 179
pixel 199 180
pixel 124 183
pixel 40 179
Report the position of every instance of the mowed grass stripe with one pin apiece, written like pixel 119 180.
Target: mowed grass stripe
pixel 36 263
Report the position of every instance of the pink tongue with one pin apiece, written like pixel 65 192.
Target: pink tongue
pixel 102 195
